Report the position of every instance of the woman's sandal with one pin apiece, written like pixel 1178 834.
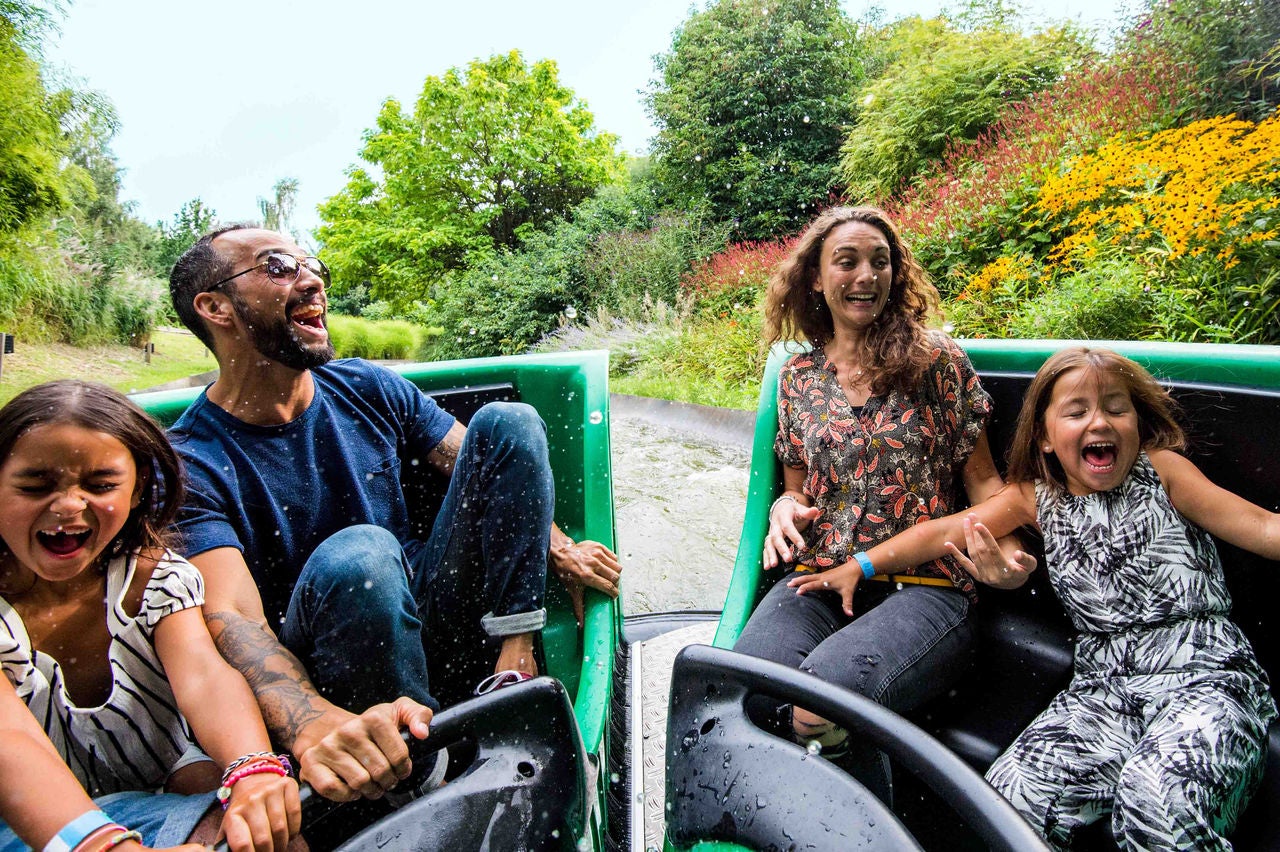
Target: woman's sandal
pixel 499 680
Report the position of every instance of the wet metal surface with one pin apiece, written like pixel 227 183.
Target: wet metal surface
pixel 679 497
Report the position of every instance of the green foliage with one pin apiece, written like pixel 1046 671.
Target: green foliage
pixel 33 180
pixel 355 337
pixel 671 355
pixel 1229 45
pixel 624 270
pixel 944 86
pixel 750 104
pixel 615 250
pixel 1109 300
pixel 488 154
pixel 189 224
pixel 277 211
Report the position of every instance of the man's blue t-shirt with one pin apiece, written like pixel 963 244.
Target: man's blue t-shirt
pixel 276 492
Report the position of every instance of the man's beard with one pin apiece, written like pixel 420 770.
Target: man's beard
pixel 278 341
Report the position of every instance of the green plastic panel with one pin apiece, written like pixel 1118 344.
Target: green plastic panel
pixel 1203 363
pixel 571 393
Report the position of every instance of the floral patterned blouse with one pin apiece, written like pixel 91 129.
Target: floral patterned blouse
pixel 874 471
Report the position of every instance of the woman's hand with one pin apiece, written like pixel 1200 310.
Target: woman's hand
pixel 264 812
pixel 788 520
pixel 842 578
pixel 986 562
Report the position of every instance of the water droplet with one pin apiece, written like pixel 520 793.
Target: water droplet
pixel 806 119
pixel 697 158
pixel 571 312
pixel 473 331
pixel 368 584
pixel 813 747
pixel 595 418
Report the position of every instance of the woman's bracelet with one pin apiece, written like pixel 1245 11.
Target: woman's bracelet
pixel 868 570
pixel 775 503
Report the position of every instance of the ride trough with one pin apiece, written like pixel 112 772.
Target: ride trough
pixel 637 738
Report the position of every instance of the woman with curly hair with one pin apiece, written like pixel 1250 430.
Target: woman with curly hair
pixel 881 425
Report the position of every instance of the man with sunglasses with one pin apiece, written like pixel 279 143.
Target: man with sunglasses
pixel 296 517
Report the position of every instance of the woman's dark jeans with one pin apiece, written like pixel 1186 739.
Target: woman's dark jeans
pixel 900 649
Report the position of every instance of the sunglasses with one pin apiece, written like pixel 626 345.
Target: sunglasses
pixel 283 269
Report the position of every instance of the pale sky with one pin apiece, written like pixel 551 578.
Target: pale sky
pixel 220 100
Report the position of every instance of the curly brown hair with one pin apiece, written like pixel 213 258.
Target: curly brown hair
pixel 896 347
pixel 1158 427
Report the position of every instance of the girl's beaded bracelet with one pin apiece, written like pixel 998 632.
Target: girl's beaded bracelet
pixel 262 768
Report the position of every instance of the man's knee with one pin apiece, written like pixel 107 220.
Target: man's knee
pixel 362 556
pixel 516 423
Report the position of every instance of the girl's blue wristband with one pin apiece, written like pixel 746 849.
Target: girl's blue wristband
pixel 73 833
pixel 868 570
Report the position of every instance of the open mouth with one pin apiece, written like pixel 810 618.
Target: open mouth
pixel 1100 456
pixel 862 298
pixel 61 542
pixel 309 316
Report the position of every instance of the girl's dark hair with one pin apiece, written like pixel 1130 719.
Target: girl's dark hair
pixel 896 344
pixel 101 409
pixel 1158 427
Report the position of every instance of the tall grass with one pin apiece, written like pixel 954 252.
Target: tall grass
pixel 378 340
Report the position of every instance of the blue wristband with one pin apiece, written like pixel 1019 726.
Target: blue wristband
pixel 868 570
pixel 74 832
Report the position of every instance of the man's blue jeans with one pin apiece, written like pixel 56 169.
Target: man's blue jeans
pixel 369 617
pixel 901 649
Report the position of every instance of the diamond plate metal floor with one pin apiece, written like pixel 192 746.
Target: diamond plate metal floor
pixel 651 663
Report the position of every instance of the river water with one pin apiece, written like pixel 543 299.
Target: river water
pixel 680 485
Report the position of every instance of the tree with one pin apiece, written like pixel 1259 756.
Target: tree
pixel 277 212
pixel 487 154
pixel 751 107
pixel 945 85
pixel 192 221
pixel 33 180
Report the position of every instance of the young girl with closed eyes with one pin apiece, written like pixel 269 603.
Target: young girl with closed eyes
pixel 1164 724
pixel 112 686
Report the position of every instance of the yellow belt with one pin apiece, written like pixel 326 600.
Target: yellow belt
pixel 912 578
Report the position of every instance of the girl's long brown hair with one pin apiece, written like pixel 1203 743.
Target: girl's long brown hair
pixel 896 348
pixel 1158 427
pixel 102 409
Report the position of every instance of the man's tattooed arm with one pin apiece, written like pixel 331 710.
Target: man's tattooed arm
pixel 444 456
pixel 285 694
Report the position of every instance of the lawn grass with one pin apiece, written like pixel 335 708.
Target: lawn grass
pixel 178 354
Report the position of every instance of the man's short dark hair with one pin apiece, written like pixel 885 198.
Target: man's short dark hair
pixel 199 268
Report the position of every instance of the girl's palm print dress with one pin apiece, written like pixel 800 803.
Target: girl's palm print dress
pixel 1164 724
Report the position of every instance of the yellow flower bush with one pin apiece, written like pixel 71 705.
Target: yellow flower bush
pixel 1212 186
pixel 1016 269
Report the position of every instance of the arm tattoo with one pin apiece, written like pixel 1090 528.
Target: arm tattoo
pixel 444 456
pixel 285 694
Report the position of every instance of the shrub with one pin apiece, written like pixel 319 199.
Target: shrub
pixel 971 206
pixel 1105 301
pixel 1212 186
pixel 734 279
pixel 625 270
pixel 945 87
pixel 613 251
pixel 354 337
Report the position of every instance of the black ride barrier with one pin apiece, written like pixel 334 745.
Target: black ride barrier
pixel 524 788
pixel 729 780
